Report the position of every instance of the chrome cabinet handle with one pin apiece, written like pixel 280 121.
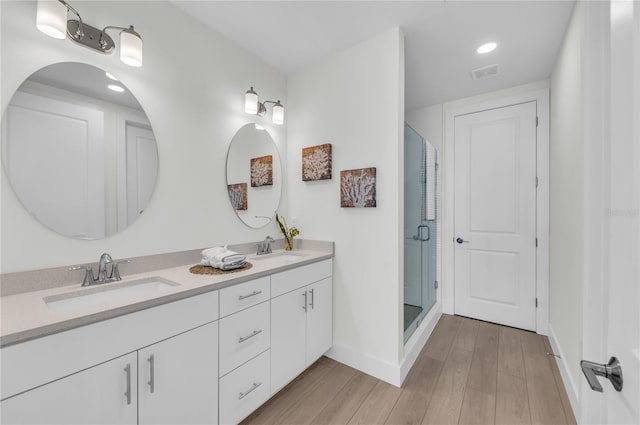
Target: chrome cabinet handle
pixel 612 371
pixel 152 373
pixel 304 307
pixel 254 333
pixel 127 392
pixel 312 299
pixel 249 391
pixel 253 294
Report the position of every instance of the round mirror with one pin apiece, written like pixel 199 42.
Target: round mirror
pixel 254 176
pixel 79 151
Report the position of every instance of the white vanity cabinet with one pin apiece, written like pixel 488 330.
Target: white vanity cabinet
pixel 173 381
pixel 103 394
pixel 301 320
pixel 177 379
pixel 101 373
pixel 245 340
pixel 211 358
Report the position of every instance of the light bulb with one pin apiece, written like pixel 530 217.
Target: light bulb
pixel 51 18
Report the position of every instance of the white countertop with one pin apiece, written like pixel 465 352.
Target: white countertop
pixel 26 316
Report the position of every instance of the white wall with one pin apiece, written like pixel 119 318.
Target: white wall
pixel 428 122
pixel 355 101
pixel 192 88
pixel 566 197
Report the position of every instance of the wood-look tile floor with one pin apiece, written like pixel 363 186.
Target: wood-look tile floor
pixel 469 372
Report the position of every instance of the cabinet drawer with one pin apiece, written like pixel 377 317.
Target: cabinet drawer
pixel 244 390
pixel 243 336
pixel 287 281
pixel 244 295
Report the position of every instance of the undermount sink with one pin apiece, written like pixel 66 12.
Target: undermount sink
pixel 109 292
pixel 280 256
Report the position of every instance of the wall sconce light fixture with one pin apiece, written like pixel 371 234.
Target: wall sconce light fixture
pixel 253 106
pixel 51 19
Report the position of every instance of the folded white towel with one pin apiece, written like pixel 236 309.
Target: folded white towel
pixel 220 256
pixel 213 251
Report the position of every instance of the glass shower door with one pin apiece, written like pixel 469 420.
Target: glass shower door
pixel 413 252
pixel 419 230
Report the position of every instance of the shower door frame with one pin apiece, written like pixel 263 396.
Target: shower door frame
pixel 433 228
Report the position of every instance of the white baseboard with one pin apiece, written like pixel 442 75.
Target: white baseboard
pixel 381 369
pixel 569 384
pixel 415 344
pixel 366 363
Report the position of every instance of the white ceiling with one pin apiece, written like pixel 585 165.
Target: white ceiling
pixel 440 37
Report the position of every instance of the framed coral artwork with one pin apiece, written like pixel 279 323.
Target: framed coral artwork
pixel 238 196
pixel 358 188
pixel 262 171
pixel 316 163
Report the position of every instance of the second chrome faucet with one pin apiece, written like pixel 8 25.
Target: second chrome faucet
pixel 105 259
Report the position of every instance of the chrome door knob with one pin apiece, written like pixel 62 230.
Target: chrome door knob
pixel 460 240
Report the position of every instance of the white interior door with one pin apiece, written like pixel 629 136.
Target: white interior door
pixel 495 215
pixel 57 167
pixel 142 169
pixel 612 314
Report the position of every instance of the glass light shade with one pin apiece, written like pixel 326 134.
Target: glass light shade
pixel 278 113
pixel 130 48
pixel 251 102
pixel 51 18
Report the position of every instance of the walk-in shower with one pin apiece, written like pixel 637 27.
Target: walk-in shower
pixel 420 214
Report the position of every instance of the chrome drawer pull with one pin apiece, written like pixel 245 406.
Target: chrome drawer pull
pixel 254 293
pixel 249 391
pixel 152 373
pixel 127 393
pixel 254 333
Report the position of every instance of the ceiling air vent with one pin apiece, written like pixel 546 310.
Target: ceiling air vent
pixel 486 72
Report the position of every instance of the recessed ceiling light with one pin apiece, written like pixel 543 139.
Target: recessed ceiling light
pixel 486 48
pixel 114 87
pixel 111 76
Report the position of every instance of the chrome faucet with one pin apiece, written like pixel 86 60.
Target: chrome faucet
pixel 102 267
pixel 105 259
pixel 264 247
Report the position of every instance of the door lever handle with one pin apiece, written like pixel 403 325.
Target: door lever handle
pixel 612 371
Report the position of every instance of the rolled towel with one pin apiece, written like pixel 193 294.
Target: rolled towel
pixel 228 265
pixel 233 266
pixel 227 257
pixel 208 253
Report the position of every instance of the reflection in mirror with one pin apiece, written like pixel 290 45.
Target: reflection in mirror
pixel 254 176
pixel 79 151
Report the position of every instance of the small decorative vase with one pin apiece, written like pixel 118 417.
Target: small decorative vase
pixel 288 244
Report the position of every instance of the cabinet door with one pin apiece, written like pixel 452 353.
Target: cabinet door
pixel 178 379
pixel 319 319
pixel 288 337
pixel 103 394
